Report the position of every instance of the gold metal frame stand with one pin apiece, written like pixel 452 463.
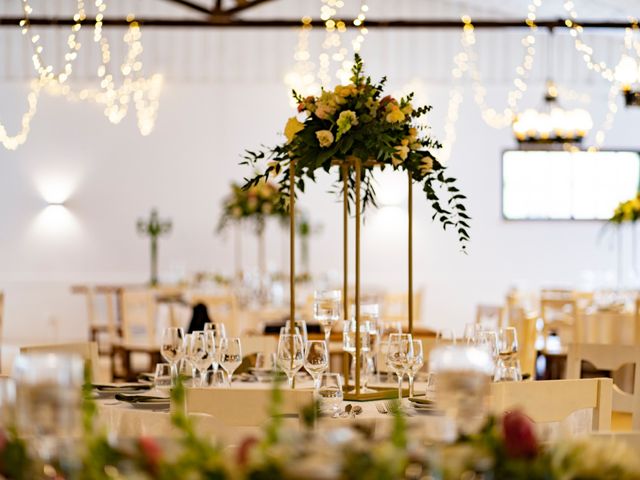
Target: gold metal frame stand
pixel 353 392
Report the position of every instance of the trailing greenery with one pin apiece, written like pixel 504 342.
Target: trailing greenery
pixel 356 124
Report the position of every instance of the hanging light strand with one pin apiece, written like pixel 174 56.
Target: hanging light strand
pixel 585 50
pixel 469 59
pixel 612 110
pixel 73 45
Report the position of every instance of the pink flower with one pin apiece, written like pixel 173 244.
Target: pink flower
pixel 151 452
pixel 519 436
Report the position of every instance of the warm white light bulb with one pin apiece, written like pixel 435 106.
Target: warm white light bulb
pixel 627 71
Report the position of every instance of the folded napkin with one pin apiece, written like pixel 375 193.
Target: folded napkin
pixel 132 398
pixel 422 401
pixel 121 387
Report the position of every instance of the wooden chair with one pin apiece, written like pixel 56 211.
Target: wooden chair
pixel 395 307
pixel 244 407
pixel 560 314
pixel 88 351
pixel 555 400
pixel 610 358
pixel 490 315
pixel 525 325
pixel 221 308
pixel 139 332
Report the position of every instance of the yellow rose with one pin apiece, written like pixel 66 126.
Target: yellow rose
pixel 407 109
pixel 346 90
pixel 292 127
pixel 426 165
pixel 402 151
pixel 325 138
pixel 395 115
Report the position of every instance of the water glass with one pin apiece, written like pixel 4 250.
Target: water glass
pixel 508 366
pixel 173 347
pixel 416 362
pixel 399 356
pixel 326 309
pixel 290 355
pixel 316 360
pixel 230 355
pixel 215 378
pixel 49 401
pixel 162 378
pixel 329 393
pixel 463 385
pixel 202 351
pixel 349 345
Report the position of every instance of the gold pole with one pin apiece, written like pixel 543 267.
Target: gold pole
pixel 292 256
pixel 410 250
pixel 357 272
pixel 346 366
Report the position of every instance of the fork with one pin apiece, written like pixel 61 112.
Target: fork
pixel 382 408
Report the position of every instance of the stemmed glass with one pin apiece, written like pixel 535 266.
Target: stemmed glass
pixel 300 329
pixel 445 335
pixel 173 348
pixel 326 309
pixel 230 355
pixel 416 362
pixel 399 356
pixel 508 368
pixel 316 360
pixel 218 329
pixel 49 402
pixel 349 341
pixel 290 355
pixel 202 351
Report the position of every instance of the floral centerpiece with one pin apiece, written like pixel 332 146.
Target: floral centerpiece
pixel 356 123
pixel 628 211
pixel 257 203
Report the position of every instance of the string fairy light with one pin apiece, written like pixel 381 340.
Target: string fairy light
pixel 582 47
pixel 467 62
pixel 142 92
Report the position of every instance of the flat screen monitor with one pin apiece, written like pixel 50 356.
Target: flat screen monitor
pixel 559 185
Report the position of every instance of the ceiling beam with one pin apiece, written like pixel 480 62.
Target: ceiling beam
pixel 224 21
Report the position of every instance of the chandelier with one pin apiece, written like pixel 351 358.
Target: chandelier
pixel 627 73
pixel 552 125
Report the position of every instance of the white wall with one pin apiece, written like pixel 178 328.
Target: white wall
pixel 184 168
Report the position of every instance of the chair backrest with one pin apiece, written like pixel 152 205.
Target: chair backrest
pixel 395 307
pixel 244 406
pixel 555 400
pixel 221 308
pixel 490 315
pixel 88 293
pixel 561 313
pixel 611 358
pixel 259 343
pixel 88 351
pixel 138 317
pixel 525 325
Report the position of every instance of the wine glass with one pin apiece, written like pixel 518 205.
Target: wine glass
pixel 49 402
pixel 416 362
pixel 300 329
pixel 508 368
pixel 349 341
pixel 173 347
pixel 471 333
pixel 330 393
pixel 462 388
pixel 162 377
pixel 202 351
pixel 290 355
pixel 326 309
pixel 399 356
pixel 316 360
pixel 230 356
pixel 488 339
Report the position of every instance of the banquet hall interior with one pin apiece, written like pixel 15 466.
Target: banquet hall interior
pixel 322 239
